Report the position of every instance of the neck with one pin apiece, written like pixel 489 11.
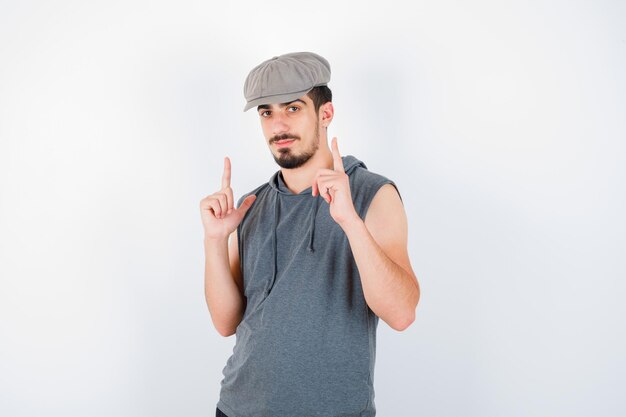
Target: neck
pixel 301 178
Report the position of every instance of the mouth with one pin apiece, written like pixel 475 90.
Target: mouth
pixel 284 142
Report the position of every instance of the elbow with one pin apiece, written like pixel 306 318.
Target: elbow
pixel 405 318
pixel 225 324
pixel 225 331
pixel 224 328
pixel 403 323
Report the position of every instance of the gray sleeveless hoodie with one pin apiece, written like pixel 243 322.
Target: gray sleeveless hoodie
pixel 306 345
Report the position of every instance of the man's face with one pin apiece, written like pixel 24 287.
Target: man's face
pixel 291 130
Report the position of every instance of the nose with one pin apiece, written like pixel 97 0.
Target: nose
pixel 279 124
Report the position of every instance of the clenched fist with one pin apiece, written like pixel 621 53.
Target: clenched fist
pixel 219 216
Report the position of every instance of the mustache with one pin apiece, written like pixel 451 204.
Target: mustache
pixel 284 136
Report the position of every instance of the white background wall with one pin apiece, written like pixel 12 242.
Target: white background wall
pixel 503 124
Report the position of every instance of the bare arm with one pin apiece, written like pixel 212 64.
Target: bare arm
pixel 379 246
pixel 223 288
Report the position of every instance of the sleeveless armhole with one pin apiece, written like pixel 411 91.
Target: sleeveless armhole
pixel 364 186
pixel 240 237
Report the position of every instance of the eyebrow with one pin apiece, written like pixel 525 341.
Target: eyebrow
pixel 266 106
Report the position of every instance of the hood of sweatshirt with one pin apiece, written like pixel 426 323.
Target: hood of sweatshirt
pixel 280 191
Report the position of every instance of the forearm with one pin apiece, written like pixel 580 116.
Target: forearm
pixel 390 291
pixel 223 297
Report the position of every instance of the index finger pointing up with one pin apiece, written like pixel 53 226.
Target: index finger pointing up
pixel 226 174
pixel 337 162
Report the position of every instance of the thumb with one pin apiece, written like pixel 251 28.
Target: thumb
pixel 246 204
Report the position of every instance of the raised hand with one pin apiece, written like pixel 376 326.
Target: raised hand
pixel 334 187
pixel 219 216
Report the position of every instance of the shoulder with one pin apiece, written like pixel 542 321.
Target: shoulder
pixel 256 210
pixel 386 202
pixel 386 219
pixel 362 175
pixel 367 186
pixel 257 191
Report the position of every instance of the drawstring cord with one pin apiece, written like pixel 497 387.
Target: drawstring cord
pixel 311 247
pixel 275 242
pixel 314 209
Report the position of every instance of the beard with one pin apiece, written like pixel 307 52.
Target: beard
pixel 287 159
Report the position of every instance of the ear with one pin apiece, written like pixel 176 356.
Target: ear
pixel 326 113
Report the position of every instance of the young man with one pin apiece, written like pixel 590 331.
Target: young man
pixel 316 255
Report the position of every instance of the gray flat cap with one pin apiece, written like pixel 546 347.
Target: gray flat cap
pixel 285 78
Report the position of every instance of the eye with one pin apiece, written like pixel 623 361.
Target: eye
pixel 293 109
pixel 265 113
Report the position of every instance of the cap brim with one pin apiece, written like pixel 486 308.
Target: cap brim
pixel 275 99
